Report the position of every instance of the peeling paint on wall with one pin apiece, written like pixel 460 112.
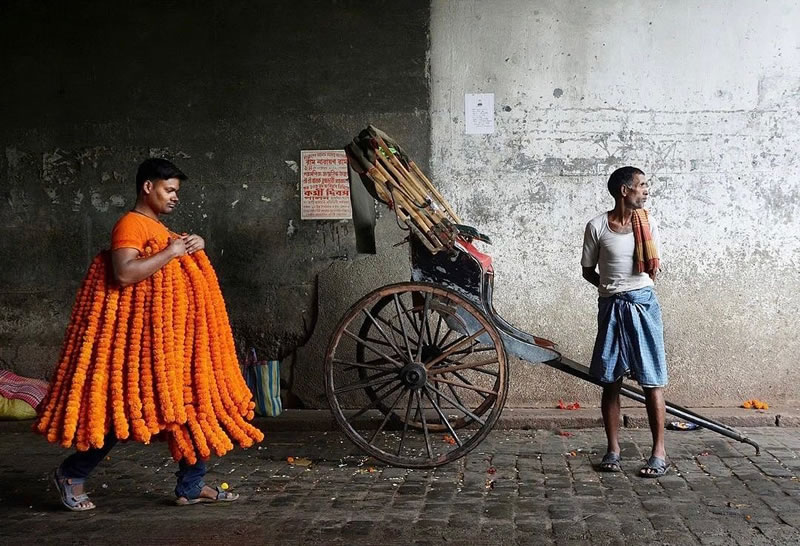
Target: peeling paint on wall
pixel 717 138
pixel 239 130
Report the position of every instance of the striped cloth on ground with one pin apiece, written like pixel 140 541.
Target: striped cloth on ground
pixel 15 387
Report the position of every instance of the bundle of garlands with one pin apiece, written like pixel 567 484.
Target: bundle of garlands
pixel 155 357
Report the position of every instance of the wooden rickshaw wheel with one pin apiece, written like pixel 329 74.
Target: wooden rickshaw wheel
pixel 423 381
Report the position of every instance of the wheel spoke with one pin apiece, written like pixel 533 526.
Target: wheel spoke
pixel 441 414
pixel 461 407
pixel 376 341
pixel 351 365
pixel 468 350
pixel 388 415
pixel 468 386
pixel 487 372
pixel 468 382
pixel 373 349
pixel 368 382
pixel 402 325
pixel 428 330
pixel 454 348
pixel 446 336
pixel 424 424
pixel 438 329
pixel 412 317
pixel 374 403
pixel 472 350
pixel 424 326
pixel 466 366
pixel 391 326
pixel 452 390
pixel 383 334
pixel 405 423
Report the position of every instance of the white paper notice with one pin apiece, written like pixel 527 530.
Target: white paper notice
pixel 325 185
pixel 479 113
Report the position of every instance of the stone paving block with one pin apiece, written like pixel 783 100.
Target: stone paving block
pixel 538 490
pixel 753 537
pixel 496 532
pixel 498 511
pixel 704 526
pixel 780 533
pixel 714 540
pixel 666 522
pixel 633 525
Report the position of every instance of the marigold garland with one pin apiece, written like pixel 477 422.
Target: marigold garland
pixel 55 405
pixel 156 357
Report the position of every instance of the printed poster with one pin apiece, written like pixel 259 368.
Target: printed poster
pixel 479 113
pixel 324 185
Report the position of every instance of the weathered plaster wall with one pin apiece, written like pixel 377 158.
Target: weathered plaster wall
pixel 231 91
pixel 705 97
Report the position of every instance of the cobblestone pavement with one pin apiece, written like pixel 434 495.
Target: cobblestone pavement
pixel 523 487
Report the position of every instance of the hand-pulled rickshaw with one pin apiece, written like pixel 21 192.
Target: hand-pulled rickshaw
pixel 416 373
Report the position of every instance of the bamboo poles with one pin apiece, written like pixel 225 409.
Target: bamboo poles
pixel 397 181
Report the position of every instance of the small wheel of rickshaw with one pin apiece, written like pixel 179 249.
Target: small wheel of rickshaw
pixel 423 381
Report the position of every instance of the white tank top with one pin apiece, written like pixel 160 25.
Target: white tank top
pixel 612 253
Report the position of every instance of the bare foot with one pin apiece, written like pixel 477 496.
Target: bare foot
pixel 208 492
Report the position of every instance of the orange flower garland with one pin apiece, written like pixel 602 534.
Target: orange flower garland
pixel 121 419
pixel 98 393
pixel 145 365
pixel 84 357
pixel 54 405
pixel 133 400
pixel 154 357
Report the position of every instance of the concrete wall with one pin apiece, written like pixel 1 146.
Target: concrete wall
pixel 231 91
pixel 705 97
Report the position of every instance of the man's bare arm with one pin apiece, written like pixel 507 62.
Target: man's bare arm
pixel 591 275
pixel 130 269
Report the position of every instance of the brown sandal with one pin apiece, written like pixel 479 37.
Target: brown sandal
pixel 222 496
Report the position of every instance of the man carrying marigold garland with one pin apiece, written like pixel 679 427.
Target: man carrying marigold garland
pixel 148 351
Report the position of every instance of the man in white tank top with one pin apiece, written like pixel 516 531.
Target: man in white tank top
pixel 630 339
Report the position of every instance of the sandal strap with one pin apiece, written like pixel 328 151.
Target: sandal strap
pixel 222 494
pixel 610 458
pixel 656 463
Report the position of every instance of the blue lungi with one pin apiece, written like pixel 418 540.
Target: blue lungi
pixel 630 339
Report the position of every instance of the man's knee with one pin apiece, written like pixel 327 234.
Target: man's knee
pixel 612 388
pixel 653 392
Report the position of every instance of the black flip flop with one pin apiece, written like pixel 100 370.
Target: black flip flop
pixel 610 463
pixel 657 467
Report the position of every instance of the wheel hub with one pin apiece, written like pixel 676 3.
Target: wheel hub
pixel 414 375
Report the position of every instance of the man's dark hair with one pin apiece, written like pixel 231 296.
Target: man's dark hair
pixel 621 177
pixel 154 169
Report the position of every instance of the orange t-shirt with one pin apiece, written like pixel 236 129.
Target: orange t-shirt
pixel 133 230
